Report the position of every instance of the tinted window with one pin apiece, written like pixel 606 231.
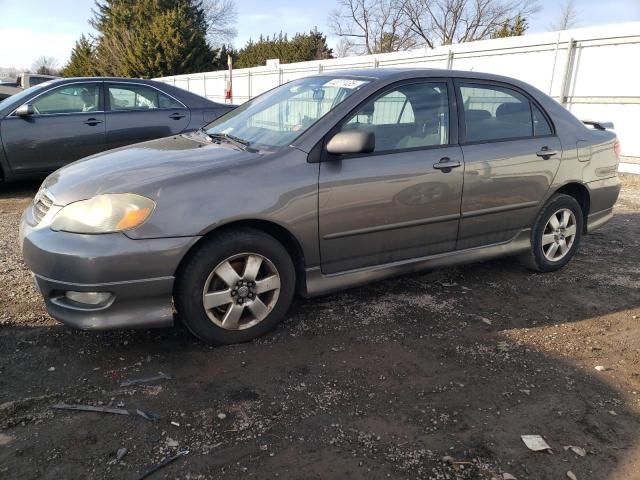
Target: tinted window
pixel 493 113
pixel 413 115
pixel 138 97
pixel 540 124
pixel 74 98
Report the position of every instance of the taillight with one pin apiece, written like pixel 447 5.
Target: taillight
pixel 616 149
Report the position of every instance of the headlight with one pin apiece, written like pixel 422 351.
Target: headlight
pixel 107 213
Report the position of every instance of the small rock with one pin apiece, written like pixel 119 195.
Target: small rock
pixel 571 475
pixel 600 368
pixel 577 450
pixel 172 443
pixel 5 439
pixel 52 369
pixel 222 416
pixel 508 476
pixel 611 412
pixel 121 453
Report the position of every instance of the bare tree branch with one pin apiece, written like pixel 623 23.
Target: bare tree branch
pixel 221 17
pixel 45 66
pixel 569 17
pixel 372 26
pixel 443 22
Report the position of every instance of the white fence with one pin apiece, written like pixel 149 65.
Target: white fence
pixel 594 72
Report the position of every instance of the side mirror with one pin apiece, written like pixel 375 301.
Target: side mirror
pixel 352 142
pixel 25 110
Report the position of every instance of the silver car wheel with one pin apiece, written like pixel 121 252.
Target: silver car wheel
pixel 559 234
pixel 241 291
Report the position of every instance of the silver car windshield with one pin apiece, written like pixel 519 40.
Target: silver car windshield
pixel 277 117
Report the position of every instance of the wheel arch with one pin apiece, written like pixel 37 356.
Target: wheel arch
pixel 277 231
pixel 581 194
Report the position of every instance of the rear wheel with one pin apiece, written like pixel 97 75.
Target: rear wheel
pixel 555 235
pixel 235 287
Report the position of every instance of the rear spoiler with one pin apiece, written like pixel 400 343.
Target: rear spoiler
pixel 599 125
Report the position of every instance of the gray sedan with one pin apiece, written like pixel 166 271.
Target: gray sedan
pixel 320 184
pixel 54 123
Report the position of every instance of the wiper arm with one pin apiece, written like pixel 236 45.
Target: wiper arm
pixel 238 142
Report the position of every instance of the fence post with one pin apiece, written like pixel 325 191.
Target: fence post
pixel 279 76
pixel 204 84
pixel 320 68
pixel 568 71
pixel 376 63
pixel 249 82
pixel 450 60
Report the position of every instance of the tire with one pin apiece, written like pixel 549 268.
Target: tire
pixel 257 302
pixel 546 254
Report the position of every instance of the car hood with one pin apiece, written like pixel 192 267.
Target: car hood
pixel 143 168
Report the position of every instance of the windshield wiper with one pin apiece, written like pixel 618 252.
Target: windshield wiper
pixel 238 142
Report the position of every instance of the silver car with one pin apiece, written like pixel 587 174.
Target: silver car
pixel 320 184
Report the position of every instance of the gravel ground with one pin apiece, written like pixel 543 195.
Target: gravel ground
pixel 427 376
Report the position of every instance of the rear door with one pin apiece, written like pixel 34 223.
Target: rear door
pixel 511 156
pixel 68 123
pixel 401 201
pixel 137 112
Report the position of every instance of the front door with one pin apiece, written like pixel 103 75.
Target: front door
pixel 67 124
pixel 137 113
pixel 511 156
pixel 403 200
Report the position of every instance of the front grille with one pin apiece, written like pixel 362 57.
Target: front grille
pixel 41 205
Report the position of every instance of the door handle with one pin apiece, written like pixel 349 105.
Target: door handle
pixel 445 165
pixel 176 116
pixel 546 153
pixel 92 121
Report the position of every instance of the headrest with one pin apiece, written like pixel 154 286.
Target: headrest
pixel 476 115
pixel 512 109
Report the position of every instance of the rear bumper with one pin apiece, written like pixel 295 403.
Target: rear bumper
pixel 139 275
pixel 603 195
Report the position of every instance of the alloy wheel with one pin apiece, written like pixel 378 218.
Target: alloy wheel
pixel 241 291
pixel 559 234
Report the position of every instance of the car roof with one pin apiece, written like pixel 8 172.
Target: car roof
pixel 407 73
pixel 100 79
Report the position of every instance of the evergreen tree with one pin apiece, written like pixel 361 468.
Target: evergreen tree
pixel 145 38
pixel 512 28
pixel 301 48
pixel 82 62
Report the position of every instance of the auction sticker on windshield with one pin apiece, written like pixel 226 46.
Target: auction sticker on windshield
pixel 344 83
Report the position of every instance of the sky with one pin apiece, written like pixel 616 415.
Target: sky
pixel 33 28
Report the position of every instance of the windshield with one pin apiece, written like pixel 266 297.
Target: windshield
pixel 277 117
pixel 20 95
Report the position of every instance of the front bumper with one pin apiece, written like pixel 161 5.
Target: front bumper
pixel 139 274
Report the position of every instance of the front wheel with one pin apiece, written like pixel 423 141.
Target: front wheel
pixel 235 287
pixel 555 235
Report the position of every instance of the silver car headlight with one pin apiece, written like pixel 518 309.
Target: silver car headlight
pixel 106 213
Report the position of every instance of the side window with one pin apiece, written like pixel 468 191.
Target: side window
pixel 76 98
pixel 138 97
pixel 540 124
pixel 495 113
pixel 412 115
pixel 165 101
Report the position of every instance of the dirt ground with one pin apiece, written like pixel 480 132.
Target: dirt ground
pixel 427 376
